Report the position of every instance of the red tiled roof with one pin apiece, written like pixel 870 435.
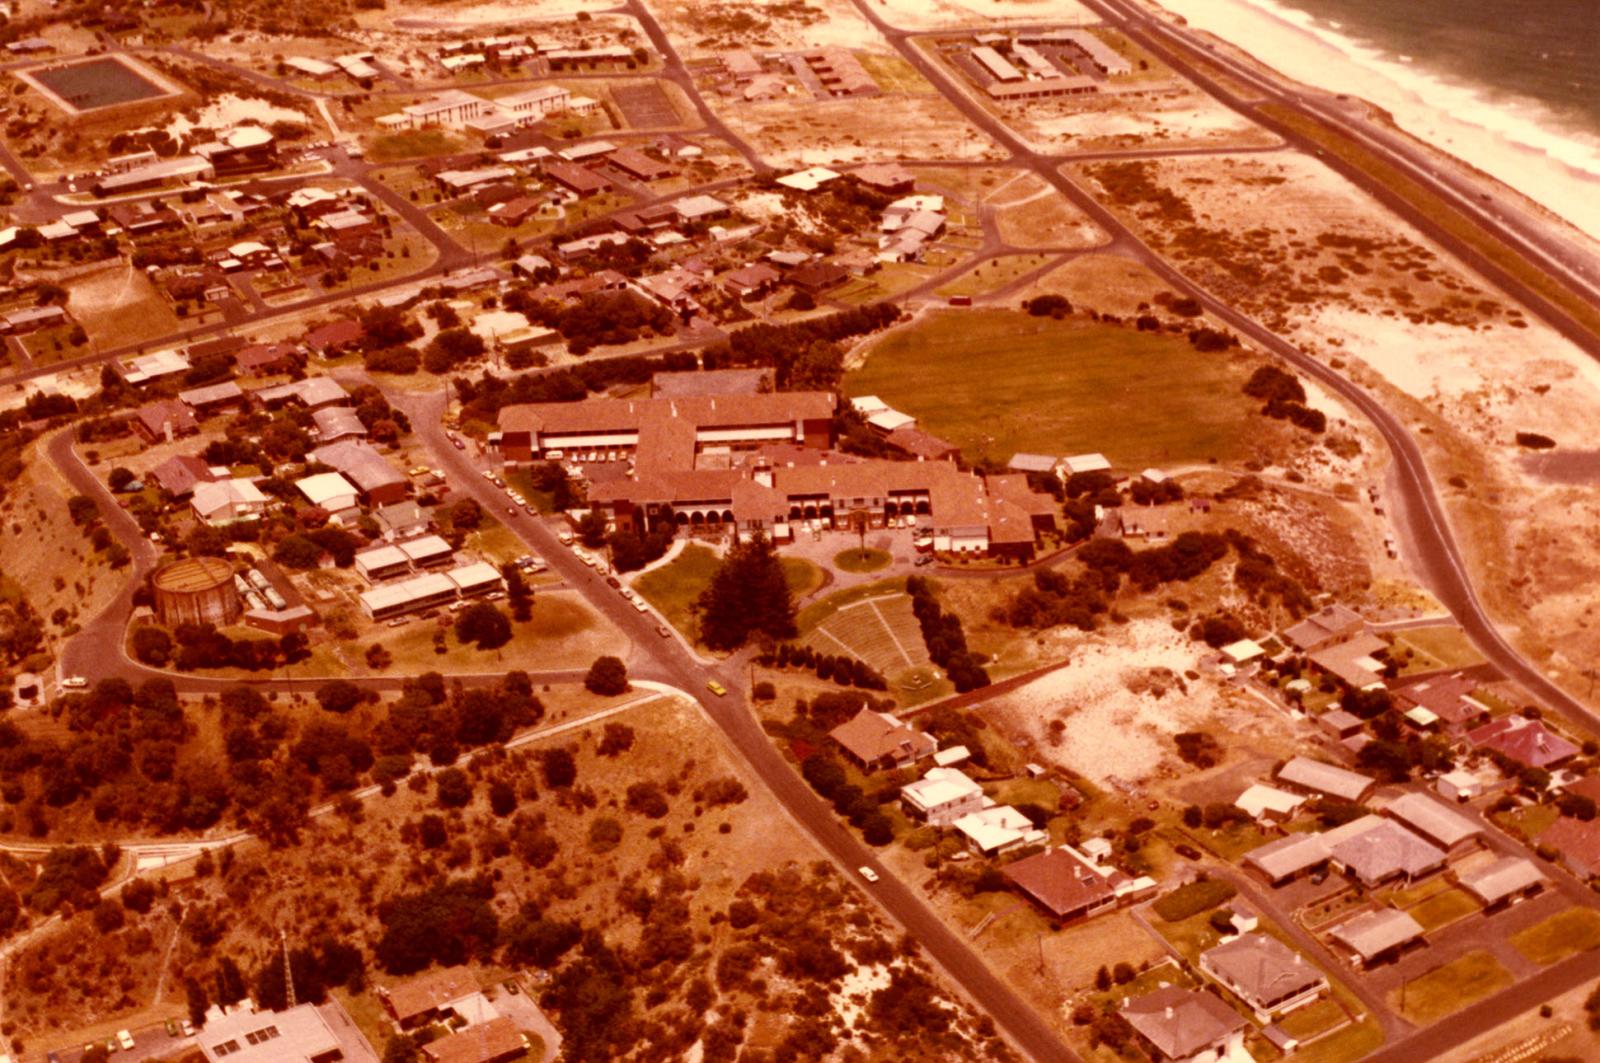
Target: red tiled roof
pixel 1523 740
pixel 1060 882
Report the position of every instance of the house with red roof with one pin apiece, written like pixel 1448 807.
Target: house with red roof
pixel 1524 740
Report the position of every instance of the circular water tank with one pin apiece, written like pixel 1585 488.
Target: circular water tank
pixel 196 590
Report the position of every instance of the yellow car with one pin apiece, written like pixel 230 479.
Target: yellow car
pixel 716 688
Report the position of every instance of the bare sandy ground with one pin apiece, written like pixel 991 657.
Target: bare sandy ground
pixel 828 132
pixel 229 110
pixel 700 28
pixel 947 14
pixel 1160 117
pixel 1120 701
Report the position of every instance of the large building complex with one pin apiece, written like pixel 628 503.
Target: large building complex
pixel 762 463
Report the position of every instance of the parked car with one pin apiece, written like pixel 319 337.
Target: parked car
pixel 923 559
pixel 868 874
pixel 716 688
pixel 125 1039
pixel 74 682
pixel 664 631
pixel 1187 851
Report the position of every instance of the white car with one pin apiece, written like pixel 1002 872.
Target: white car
pixel 640 606
pixel 868 874
pixel 125 1039
pixel 74 682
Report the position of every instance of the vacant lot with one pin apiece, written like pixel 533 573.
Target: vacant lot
pixel 1448 989
pixel 1558 937
pixel 999 382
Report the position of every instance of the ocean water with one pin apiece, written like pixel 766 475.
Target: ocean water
pixel 1527 69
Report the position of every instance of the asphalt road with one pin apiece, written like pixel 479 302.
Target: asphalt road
pixel 671 661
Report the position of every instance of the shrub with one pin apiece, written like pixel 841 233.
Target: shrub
pixel 608 677
pixel 1192 898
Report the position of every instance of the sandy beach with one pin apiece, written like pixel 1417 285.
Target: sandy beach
pixel 1517 143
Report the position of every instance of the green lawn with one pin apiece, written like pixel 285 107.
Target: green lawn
pixel 1443 908
pixel 674 588
pixel 817 612
pixel 1445 644
pixel 868 560
pixel 1575 930
pixel 1060 387
pixel 1447 989
pixel 1313 1019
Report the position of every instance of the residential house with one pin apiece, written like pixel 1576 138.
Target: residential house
pixel 890 178
pixel 266 359
pixel 1370 849
pixel 1328 625
pixel 1577 842
pixel 429 998
pixel 580 181
pixel 1449 698
pixel 31 319
pixel 941 797
pixel 1064 883
pixel 164 420
pixel 178 475
pixel 222 502
pixel 495 1041
pixel 213 399
pixel 1526 741
pixel 751 282
pixel 639 166
pixel 1354 661
pixel 402 520
pixel 334 338
pixel 147 367
pixel 699 208
pixel 1266 974
pixel 1314 776
pixel 1268 803
pixel 1186 1025
pixel 1503 883
pixel 815 278
pixel 337 422
pixel 1440 824
pixel 1340 724
pixel 875 740
pixel 1375 936
pixel 998 829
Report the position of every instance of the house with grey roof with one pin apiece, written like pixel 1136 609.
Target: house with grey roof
pixel 1435 821
pixel 1317 777
pixel 1187 1025
pixel 1265 973
pixel 1503 883
pixel 1374 936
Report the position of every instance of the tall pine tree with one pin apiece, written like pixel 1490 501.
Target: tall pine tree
pixel 748 595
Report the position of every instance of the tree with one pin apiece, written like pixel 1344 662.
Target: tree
pixel 592 529
pixel 558 768
pixel 450 348
pixel 617 738
pixel 453 789
pixel 152 646
pixel 502 798
pixel 519 596
pixel 748 595
pixel 466 513
pixel 339 695
pixel 483 624
pixel 198 1000
pixel 608 677
pixel 120 478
